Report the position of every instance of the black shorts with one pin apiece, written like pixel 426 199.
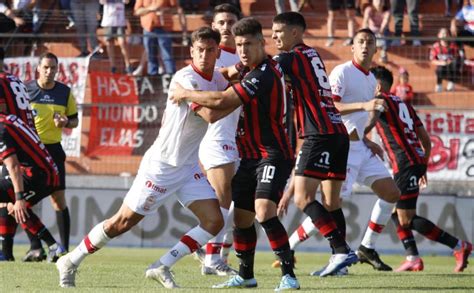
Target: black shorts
pixel 264 178
pixel 34 188
pixel 338 4
pixel 323 157
pixel 59 157
pixel 407 181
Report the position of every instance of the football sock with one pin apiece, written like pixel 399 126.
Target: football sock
pixel 433 232
pixel 64 224
pixel 34 225
pixel 327 227
pixel 381 213
pixel 95 240
pixel 7 232
pixel 245 241
pixel 278 238
pixel 406 237
pixel 338 217
pixel 214 246
pixel 35 243
pixel 189 243
pixel 228 238
pixel 303 232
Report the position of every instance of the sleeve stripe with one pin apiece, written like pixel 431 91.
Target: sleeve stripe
pixel 241 93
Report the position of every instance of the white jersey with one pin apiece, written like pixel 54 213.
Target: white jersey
pixel 181 129
pixel 114 14
pixel 352 84
pixel 227 58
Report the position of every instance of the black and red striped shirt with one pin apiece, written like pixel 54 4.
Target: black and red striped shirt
pixel 397 128
pixel 314 107
pixel 19 139
pixel 15 98
pixel 261 129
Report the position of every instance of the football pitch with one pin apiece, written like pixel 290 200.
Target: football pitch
pixel 122 270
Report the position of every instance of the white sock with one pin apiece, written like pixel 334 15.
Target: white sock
pixel 381 213
pixel 191 241
pixel 303 232
pixel 412 257
pixel 228 238
pixel 93 241
pixel 214 246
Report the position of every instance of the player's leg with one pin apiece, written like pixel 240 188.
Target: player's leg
pixel 220 178
pixel 7 233
pixel 374 174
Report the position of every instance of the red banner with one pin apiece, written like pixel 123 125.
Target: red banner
pixel 126 114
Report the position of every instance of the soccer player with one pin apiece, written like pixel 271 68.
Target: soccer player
pixel 169 169
pixel 408 146
pixel 218 151
pixel 353 91
pixel 32 176
pixel 55 108
pixel 323 154
pixel 266 155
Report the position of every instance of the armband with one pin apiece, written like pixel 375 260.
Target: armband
pixel 19 195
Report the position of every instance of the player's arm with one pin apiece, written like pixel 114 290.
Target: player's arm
pixel 372 105
pixel 218 100
pixel 14 169
pixel 426 145
pixel 211 115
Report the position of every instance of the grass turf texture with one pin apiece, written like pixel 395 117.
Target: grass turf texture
pixel 122 269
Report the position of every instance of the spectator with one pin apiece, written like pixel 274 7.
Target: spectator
pixel 151 18
pixel 349 7
pixel 113 20
pixel 403 89
pixel 280 6
pixel 65 6
pixel 465 19
pixel 447 11
pixel 85 16
pixel 9 12
pixel 398 8
pixel 377 18
pixel 445 55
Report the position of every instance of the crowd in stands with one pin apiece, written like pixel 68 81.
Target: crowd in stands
pixel 117 18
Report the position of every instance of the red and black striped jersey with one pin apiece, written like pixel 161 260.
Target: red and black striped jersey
pixel 314 107
pixel 19 139
pixel 397 128
pixel 15 98
pixel 261 131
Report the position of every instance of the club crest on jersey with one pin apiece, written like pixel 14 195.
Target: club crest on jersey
pixel 227 147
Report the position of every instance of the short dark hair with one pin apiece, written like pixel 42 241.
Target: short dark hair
pixel 205 33
pixel 290 18
pixel 48 55
pixel 227 8
pixel 247 26
pixel 365 31
pixel 383 75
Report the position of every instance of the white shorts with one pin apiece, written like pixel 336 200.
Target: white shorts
pixel 156 182
pixel 362 167
pixel 216 153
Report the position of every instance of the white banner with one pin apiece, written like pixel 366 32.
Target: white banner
pixel 164 228
pixel 452 140
pixel 72 72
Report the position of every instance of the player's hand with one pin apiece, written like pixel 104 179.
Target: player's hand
pixel 374 148
pixel 375 105
pixel 20 212
pixel 283 205
pixel 60 120
pixel 423 183
pixel 178 94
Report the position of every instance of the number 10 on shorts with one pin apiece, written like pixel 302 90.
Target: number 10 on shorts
pixel 268 173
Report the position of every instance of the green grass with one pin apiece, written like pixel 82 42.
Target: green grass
pixel 122 269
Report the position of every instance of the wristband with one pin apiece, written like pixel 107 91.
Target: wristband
pixel 19 195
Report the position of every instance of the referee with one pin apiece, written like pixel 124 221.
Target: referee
pixel 54 108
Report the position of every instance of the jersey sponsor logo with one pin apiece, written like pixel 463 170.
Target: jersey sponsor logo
pixel 198 176
pixel 46 99
pixel 227 147
pixel 335 117
pixel 154 187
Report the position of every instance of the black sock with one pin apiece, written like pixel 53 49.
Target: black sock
pixel 46 236
pixel 338 217
pixel 433 232
pixel 245 241
pixel 9 228
pixel 35 243
pixel 278 238
pixel 406 237
pixel 64 224
pixel 326 225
